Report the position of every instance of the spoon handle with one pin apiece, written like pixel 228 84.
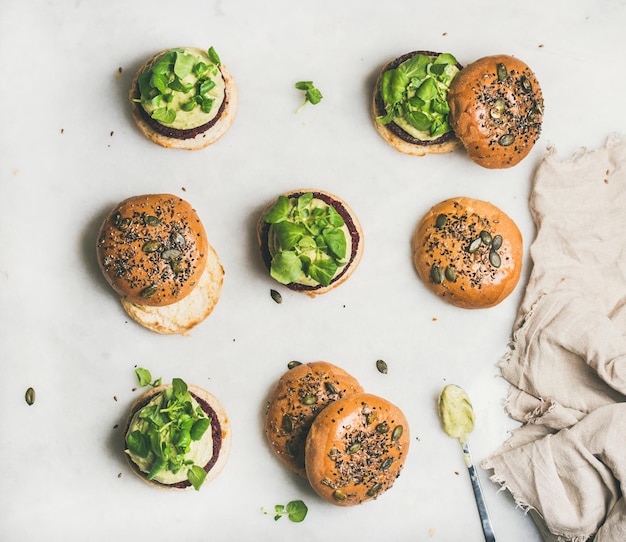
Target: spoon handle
pixel 478 494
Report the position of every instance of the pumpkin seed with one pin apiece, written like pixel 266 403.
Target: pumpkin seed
pixel 330 387
pixel 497 242
pixel 374 489
pixel 386 463
pixel 382 427
pixel 485 237
pixel 177 239
pixel 291 449
pixel 450 273
pixel 526 84
pixel 124 224
pixel 151 246
pixel 339 495
pixel 287 424
pixel 441 221
pixel 497 109
pixel 354 448
pixel 149 291
pixel 436 275
pixel 150 220
pixel 309 399
pixel 381 365
pixel 397 433
pixel 170 254
pixel 276 296
pixel 474 245
pixel 30 396
pixel 494 259
pixel 293 364
pixel 176 266
pixel 506 140
pixel 534 115
pixel 501 71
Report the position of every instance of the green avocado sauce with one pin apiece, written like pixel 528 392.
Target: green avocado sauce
pixel 415 95
pixel 307 240
pixel 169 439
pixel 182 88
pixel 456 413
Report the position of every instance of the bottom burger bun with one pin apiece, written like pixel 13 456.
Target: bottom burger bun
pixel 395 122
pixel 356 448
pixel 182 316
pixel 468 252
pixel 212 449
pixel 296 399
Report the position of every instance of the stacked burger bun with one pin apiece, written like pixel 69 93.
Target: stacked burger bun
pixel 495 111
pixel 350 445
pixel 154 252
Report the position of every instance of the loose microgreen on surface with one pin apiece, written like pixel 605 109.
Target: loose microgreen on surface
pixel 416 93
pixel 296 511
pixel 167 427
pixel 178 72
pixel 307 239
pixel 311 93
pixel 145 378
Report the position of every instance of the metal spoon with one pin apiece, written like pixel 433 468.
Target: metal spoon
pixel 457 419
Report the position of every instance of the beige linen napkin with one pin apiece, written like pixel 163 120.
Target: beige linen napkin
pixel 566 365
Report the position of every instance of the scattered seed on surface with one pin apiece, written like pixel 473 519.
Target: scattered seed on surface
pixel 381 365
pixel 30 396
pixel 276 296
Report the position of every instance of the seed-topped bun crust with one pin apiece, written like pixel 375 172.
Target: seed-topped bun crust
pixel 153 251
pixel 220 433
pixel 297 398
pixel 396 136
pixel 190 139
pixel 355 243
pixel 496 110
pixel 356 448
pixel 468 252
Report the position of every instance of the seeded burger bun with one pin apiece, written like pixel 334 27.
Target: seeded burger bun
pixel 297 398
pixel 496 110
pixel 356 448
pixel 409 104
pixel 208 450
pixel 310 240
pixel 468 252
pixel 184 98
pixel 153 251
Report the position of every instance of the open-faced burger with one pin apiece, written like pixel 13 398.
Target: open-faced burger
pixel 310 240
pixel 154 252
pixel 177 436
pixel 409 104
pixel 184 98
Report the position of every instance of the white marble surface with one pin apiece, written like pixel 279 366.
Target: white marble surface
pixel 69 152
